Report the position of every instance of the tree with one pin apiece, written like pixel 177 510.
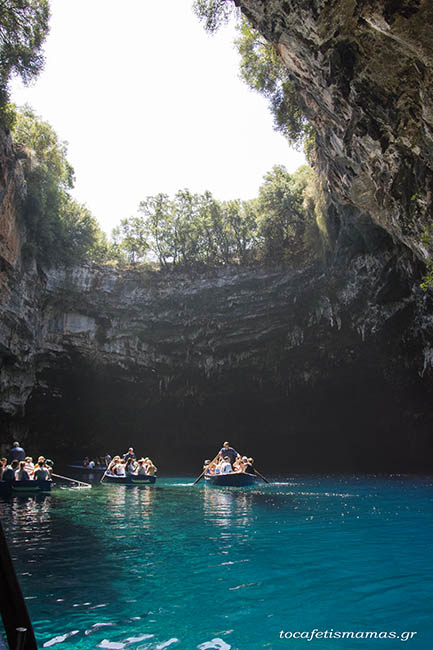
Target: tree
pixel 132 237
pixel 156 212
pixel 264 71
pixel 60 230
pixel 282 215
pixel 214 13
pixel 23 29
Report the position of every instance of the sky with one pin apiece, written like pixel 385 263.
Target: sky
pixel 149 102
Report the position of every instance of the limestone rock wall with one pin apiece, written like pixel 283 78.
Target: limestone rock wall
pixel 331 366
pixel 364 70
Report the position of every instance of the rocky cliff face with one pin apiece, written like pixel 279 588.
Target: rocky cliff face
pixel 364 70
pixel 332 370
pixel 324 368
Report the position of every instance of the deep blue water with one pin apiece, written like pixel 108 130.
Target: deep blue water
pixel 181 567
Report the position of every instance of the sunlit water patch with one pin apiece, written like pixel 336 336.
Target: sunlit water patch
pixel 182 567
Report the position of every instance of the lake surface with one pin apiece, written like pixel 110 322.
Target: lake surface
pixel 181 567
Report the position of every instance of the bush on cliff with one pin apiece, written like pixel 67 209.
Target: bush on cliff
pixel 263 70
pixel 60 230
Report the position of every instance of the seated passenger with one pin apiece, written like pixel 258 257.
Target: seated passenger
pixel 130 467
pixel 142 468
pixel 41 473
pixel 120 469
pixel 226 466
pixel 3 463
pixel 91 464
pixel 21 473
pixel 249 466
pixel 9 471
pixel 112 464
pixel 30 466
pixel 86 462
pixel 206 467
pixel 151 469
pixel 40 463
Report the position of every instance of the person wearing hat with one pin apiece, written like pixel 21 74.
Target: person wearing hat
pixel 226 465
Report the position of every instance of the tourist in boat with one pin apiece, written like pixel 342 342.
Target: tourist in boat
pixel 3 463
pixel 119 469
pixel 49 466
pixel 112 464
pixel 249 469
pixel 10 471
pixel 41 472
pixel 130 467
pixel 30 466
pixel 16 453
pixel 151 468
pixel 142 468
pixel 209 467
pixel 226 450
pixel 226 465
pixel 21 473
pixel 40 463
pixel 129 454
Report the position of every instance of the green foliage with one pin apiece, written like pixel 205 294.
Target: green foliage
pixel 213 13
pixel 60 230
pixel 195 229
pixel 188 229
pixel 263 70
pixel 130 238
pixel 281 214
pixel 23 29
pixel 427 241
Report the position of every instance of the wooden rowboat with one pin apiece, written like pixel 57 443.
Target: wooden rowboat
pixel 25 487
pixel 141 479
pixel 87 470
pixel 231 479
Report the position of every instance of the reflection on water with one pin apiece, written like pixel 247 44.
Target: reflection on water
pixel 227 507
pixel 172 565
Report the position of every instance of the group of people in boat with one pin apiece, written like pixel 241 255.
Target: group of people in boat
pixel 98 462
pixel 128 465
pixel 228 460
pixel 19 467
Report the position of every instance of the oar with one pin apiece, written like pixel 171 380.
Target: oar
pixel 260 475
pixel 205 469
pixel 72 480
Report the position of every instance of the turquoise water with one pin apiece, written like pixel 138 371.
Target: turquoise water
pixel 181 567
